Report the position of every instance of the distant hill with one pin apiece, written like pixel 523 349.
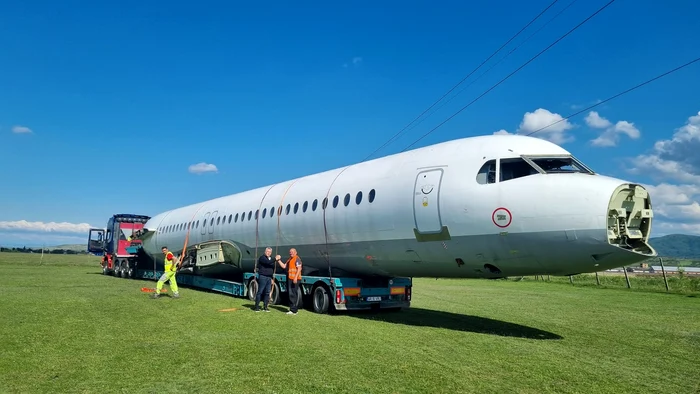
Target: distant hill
pixel 677 245
pixel 75 247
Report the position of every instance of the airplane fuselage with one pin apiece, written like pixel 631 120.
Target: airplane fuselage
pixel 490 206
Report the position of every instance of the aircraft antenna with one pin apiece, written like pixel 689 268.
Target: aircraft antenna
pixel 472 72
pixel 619 94
pixel 512 73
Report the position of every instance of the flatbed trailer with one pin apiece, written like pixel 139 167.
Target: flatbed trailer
pixel 323 293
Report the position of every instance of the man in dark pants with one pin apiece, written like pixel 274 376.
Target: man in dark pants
pixel 266 268
pixel 293 279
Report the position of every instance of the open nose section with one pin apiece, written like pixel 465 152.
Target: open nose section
pixel 629 219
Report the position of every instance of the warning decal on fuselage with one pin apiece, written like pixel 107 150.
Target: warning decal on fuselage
pixel 501 217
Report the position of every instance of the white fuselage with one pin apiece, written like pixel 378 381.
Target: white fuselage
pixel 430 212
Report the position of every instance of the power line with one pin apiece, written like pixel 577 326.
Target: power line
pixel 619 94
pixel 463 79
pixel 493 65
pixel 511 74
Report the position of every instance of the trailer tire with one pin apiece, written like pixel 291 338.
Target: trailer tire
pixel 105 270
pixel 274 293
pixel 252 289
pixel 123 270
pixel 321 300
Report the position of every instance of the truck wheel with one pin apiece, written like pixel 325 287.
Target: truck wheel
pixel 320 300
pixel 124 268
pixel 116 268
pixel 252 289
pixel 105 270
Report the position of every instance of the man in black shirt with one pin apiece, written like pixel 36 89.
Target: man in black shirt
pixel 266 266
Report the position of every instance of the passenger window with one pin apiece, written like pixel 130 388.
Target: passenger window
pixel 264 213
pixel 371 195
pixel 306 205
pixel 314 205
pixel 257 213
pixel 217 220
pixel 358 198
pixel 279 211
pixel 296 207
pixel 230 217
pixel 243 217
pixel 197 226
pixel 235 219
pixel 515 168
pixel 325 203
pixel 346 201
pixel 250 214
pixel 487 173
pixel 287 210
pixel 272 211
pixel 335 201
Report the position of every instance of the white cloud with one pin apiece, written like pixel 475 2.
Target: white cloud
pixel 21 130
pixel 611 135
pixel 51 227
pixel 356 61
pixel 201 168
pixel 676 205
pixel 533 121
pixel 596 121
pixel 677 158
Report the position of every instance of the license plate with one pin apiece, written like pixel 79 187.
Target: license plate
pixel 374 298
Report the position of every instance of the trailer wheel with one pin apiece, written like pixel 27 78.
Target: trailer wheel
pixel 320 300
pixel 105 270
pixel 252 289
pixel 274 293
pixel 116 268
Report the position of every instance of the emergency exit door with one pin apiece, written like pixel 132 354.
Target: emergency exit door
pixel 426 201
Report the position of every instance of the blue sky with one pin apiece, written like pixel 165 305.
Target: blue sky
pixel 104 106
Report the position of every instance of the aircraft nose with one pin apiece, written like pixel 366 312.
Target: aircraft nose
pixel 627 224
pixel 629 219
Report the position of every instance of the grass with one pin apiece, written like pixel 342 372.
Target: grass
pixel 677 283
pixel 67 328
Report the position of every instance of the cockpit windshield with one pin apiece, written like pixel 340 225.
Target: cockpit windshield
pixel 513 168
pixel 556 164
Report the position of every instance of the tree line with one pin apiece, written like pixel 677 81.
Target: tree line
pixel 25 249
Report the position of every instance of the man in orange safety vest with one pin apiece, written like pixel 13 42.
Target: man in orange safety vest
pixel 293 279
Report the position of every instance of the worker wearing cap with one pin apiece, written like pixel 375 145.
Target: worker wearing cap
pixel 293 279
pixel 168 275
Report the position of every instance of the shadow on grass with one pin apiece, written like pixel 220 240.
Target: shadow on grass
pixel 280 308
pixel 451 321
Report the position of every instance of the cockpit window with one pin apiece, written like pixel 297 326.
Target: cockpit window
pixel 559 164
pixel 510 169
pixel 515 168
pixel 487 173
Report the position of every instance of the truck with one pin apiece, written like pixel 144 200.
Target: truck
pixel 123 256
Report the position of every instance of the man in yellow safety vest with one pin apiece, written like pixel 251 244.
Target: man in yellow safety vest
pixel 170 268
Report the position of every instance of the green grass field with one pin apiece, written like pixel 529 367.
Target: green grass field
pixel 67 328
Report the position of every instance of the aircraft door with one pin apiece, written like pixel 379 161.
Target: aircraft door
pixel 205 223
pixel 426 208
